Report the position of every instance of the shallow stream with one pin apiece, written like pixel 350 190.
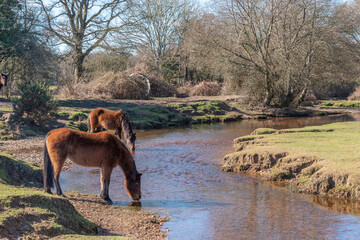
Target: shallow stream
pixel 182 181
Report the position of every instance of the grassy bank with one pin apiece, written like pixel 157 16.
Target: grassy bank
pixel 157 113
pixel 154 116
pixel 338 104
pixel 322 160
pixel 28 212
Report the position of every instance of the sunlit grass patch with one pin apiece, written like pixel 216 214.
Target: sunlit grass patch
pixel 339 104
pixel 328 155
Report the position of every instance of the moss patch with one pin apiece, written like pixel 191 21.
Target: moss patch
pixel 16 172
pixel 323 159
pixel 6 133
pixel 79 125
pixel 339 104
pixel 146 117
pixel 208 112
pixel 78 116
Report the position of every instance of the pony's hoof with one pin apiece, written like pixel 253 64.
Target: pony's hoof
pixel 48 191
pixel 107 199
pixel 62 195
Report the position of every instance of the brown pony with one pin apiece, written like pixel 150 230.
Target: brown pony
pixel 112 120
pixel 3 80
pixel 103 150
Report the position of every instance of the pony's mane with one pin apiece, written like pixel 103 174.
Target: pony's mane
pixel 126 125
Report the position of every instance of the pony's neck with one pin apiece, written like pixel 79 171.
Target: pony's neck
pixel 126 126
pixel 127 163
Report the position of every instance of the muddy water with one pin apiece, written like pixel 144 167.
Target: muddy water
pixel 182 181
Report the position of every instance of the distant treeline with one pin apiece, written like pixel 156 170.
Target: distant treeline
pixel 275 52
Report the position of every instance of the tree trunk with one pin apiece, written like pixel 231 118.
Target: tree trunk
pixel 78 66
pixel 268 91
pixel 301 97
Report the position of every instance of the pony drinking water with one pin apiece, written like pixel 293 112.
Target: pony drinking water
pixel 103 150
pixel 112 120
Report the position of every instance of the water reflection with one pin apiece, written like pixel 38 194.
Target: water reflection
pixel 182 181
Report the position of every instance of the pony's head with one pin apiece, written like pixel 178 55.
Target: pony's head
pixel 131 142
pixel 3 79
pixel 133 186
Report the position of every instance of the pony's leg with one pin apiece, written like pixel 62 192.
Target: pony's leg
pixel 105 183
pixel 98 128
pixel 94 125
pixel 57 169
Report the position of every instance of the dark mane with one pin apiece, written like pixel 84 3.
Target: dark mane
pixel 126 125
pixel 117 120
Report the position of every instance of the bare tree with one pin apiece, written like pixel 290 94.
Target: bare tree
pixel 274 40
pixel 83 25
pixel 161 24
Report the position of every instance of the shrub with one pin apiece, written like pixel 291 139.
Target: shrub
pixel 309 99
pixel 355 95
pixel 161 88
pixel 119 86
pixel 110 85
pixel 34 104
pixel 185 89
pixel 206 89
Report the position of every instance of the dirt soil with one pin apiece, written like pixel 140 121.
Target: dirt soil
pixel 29 149
pixel 115 220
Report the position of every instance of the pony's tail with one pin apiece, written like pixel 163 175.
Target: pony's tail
pixel 48 171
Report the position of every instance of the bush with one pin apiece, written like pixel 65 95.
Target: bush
pixel 185 89
pixel 206 89
pixel 309 99
pixel 161 88
pixel 119 86
pixel 355 95
pixel 34 104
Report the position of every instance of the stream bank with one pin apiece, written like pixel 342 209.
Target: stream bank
pixel 26 211
pixel 318 160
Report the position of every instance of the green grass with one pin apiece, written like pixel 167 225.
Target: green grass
pixel 78 116
pixel 208 112
pixel 339 104
pixel 203 108
pixel 334 148
pixel 44 215
pixel 146 117
pixel 16 172
pixel 338 144
pixel 6 133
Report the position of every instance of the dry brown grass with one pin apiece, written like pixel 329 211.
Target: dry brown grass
pixel 109 86
pixel 118 86
pixel 206 89
pixel 185 89
pixel 161 88
pixel 355 95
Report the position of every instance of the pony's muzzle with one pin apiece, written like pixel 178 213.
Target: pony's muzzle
pixel 137 198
